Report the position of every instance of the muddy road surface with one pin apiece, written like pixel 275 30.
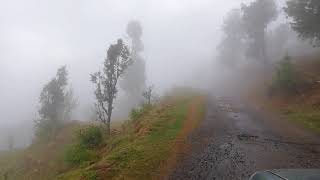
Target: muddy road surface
pixel 236 140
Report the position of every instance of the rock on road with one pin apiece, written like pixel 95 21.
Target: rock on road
pixel 235 140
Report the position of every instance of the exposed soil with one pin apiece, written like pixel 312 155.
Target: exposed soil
pixel 181 144
pixel 236 140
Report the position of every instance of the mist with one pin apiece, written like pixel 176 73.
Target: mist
pixel 38 36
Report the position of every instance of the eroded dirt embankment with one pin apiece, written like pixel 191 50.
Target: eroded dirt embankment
pixel 235 140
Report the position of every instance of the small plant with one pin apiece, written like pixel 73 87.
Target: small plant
pixel 90 137
pixel 77 154
pixel 137 113
pixel 90 175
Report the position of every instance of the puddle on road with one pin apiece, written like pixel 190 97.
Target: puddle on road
pixel 246 137
pixel 244 122
pixel 241 119
pixel 234 115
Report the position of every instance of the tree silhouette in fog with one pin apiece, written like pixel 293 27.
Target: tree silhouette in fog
pixel 231 47
pixel 56 104
pixel 117 61
pixel 133 82
pixel 256 17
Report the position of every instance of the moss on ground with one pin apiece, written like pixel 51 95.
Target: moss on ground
pixel 309 117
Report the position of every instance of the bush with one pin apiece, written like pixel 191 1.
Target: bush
pixel 80 152
pixel 139 112
pixel 77 154
pixel 90 175
pixel 135 114
pixel 285 78
pixel 90 137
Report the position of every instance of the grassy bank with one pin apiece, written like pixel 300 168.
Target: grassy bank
pixel 139 149
pixel 307 116
pixel 143 146
pixel 300 102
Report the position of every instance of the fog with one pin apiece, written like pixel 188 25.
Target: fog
pixel 38 36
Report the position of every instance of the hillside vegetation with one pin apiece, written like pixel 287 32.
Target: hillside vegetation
pixel 142 148
pixel 299 103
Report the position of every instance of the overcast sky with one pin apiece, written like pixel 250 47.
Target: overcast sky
pixel 38 36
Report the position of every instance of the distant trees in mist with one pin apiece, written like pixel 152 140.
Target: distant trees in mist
pixel 134 79
pixel 245 32
pixel 56 104
pixel 232 46
pixel 121 63
pixel 248 36
pixel 277 41
pixel 256 18
pixel 117 61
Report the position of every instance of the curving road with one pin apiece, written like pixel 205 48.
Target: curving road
pixel 236 140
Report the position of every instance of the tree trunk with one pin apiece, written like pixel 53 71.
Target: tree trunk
pixel 108 126
pixel 109 117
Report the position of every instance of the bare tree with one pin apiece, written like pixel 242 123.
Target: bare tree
pixel 148 94
pixel 117 61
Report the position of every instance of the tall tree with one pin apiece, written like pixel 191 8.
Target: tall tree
pixel 133 82
pixel 305 16
pixel 117 61
pixel 256 17
pixel 277 41
pixel 231 46
pixel 56 104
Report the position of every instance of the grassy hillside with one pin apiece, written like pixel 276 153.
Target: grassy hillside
pixel 142 148
pixel 302 107
pixel 39 161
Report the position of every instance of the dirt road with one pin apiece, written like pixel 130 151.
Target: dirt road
pixel 235 140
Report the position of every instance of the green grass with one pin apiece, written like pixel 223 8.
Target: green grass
pixel 136 155
pixel 40 160
pixel 140 159
pixel 309 117
pixel 139 150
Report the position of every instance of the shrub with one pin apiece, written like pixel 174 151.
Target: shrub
pixel 77 154
pixel 139 112
pixel 135 114
pixel 90 137
pixel 90 175
pixel 285 78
